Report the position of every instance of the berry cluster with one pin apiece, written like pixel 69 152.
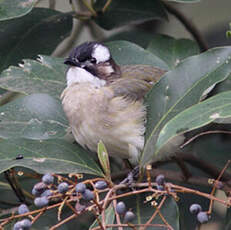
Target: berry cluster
pixel 202 216
pixel 122 210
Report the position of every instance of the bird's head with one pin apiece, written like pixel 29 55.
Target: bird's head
pixel 91 62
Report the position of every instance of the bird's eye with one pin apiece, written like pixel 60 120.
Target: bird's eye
pixel 93 60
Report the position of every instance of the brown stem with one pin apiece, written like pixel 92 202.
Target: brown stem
pixel 190 27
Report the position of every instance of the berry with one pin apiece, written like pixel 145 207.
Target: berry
pixel 160 187
pixel 160 179
pixel 48 179
pixel 63 187
pixel 101 184
pixel 129 216
pixel 41 201
pixel 47 192
pixel 88 195
pixel 80 187
pixel 22 209
pixel 39 188
pixel 219 185
pixel 195 208
pixel 120 208
pixel 202 217
pixel 35 192
pixel 17 226
pixel 25 223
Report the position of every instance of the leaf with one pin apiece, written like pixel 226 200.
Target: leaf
pixel 39 32
pixel 109 217
pixel 122 12
pixel 199 115
pixel 181 88
pixel 127 53
pixel 171 50
pixel 54 155
pixel 37 116
pixel 15 8
pixel 138 36
pixel 104 159
pixel 46 75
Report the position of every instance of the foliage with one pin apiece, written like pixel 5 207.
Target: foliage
pixel 187 128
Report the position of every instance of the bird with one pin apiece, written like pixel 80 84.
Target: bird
pixel 105 102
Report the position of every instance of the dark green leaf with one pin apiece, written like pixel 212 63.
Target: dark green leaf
pixel 39 32
pixel 137 36
pixel 15 8
pixel 171 50
pixel 228 219
pixel 109 217
pixel 46 75
pixel 180 89
pixel 199 115
pixel 54 155
pixel 127 53
pixel 37 116
pixel 122 12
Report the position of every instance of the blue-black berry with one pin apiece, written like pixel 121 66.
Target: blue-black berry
pixel 48 179
pixel 63 187
pixel 160 179
pixel 129 216
pixel 202 217
pixel 23 209
pixel 41 201
pixel 25 223
pixel 39 188
pixel 47 192
pixel 80 187
pixel 160 187
pixel 101 184
pixel 195 208
pixel 121 208
pixel 88 195
pixel 17 226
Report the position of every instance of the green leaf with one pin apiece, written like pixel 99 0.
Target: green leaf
pixel 15 8
pixel 171 50
pixel 228 219
pixel 104 159
pixel 39 32
pixel 37 116
pixel 181 88
pixel 199 115
pixel 123 12
pixel 54 155
pixel 127 53
pixel 46 75
pixel 109 217
pixel 138 36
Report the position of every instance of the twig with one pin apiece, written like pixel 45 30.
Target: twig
pixel 107 4
pixel 204 133
pixel 89 7
pixel 190 27
pixel 214 186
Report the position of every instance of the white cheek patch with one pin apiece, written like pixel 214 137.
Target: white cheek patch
pixel 101 53
pixel 79 75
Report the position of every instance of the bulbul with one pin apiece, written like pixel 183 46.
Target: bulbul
pixel 104 101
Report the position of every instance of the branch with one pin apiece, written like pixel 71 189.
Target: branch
pixel 189 26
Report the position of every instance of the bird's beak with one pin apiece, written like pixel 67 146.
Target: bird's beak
pixel 72 62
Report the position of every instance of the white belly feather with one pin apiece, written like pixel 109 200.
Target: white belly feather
pixel 94 115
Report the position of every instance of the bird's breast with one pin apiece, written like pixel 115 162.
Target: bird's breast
pixel 94 114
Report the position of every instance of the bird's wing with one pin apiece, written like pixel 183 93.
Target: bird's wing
pixel 136 81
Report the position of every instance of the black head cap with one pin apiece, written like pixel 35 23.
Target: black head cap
pixel 80 54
